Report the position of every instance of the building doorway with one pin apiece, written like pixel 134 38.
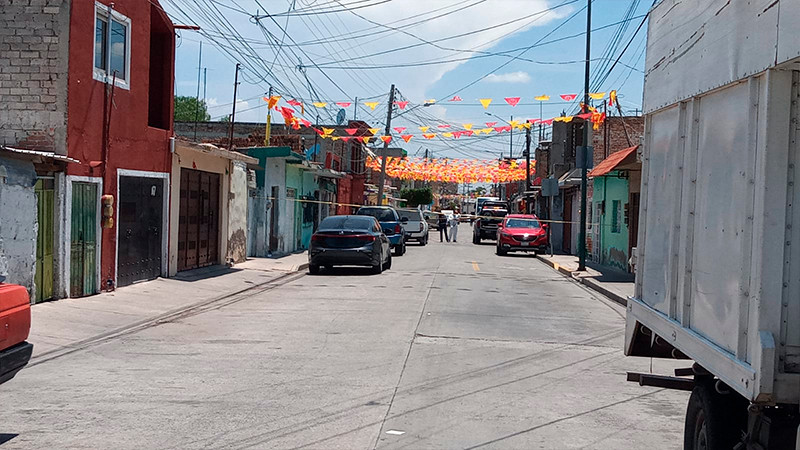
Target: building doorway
pixel 198 225
pixel 45 204
pixel 140 228
pixel 83 240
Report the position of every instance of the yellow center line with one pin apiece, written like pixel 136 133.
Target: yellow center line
pixel 475 266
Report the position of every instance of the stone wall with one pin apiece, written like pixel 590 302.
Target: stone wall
pixel 34 43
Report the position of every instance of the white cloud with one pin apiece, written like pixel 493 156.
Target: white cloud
pixel 510 77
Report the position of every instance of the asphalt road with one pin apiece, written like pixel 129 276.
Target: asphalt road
pixel 454 347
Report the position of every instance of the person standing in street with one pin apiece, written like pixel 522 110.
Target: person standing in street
pixel 454 220
pixel 442 225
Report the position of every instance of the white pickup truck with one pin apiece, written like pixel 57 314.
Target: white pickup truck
pixel 718 281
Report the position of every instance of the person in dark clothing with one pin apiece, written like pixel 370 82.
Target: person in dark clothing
pixel 442 225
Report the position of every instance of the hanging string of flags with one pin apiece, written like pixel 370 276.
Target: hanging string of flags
pixel 593 115
pixel 452 170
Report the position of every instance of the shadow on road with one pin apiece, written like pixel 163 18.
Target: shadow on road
pixel 345 271
pixel 5 437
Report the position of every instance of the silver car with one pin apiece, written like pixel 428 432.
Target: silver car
pixel 417 227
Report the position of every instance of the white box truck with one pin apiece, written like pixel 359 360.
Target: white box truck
pixel 718 276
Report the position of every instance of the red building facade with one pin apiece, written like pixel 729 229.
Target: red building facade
pixel 119 126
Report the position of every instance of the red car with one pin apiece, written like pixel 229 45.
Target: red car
pixel 521 233
pixel 15 324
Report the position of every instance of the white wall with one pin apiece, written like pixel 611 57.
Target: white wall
pixel 237 213
pixel 276 176
pixel 18 223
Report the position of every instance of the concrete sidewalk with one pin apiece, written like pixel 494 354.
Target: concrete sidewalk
pixel 617 286
pixel 61 326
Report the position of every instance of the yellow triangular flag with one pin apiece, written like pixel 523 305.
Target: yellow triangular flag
pixel 335 138
pixel 430 101
pixel 372 105
pixel 365 139
pixel 448 134
pixel 373 130
pixel 327 131
pixel 424 129
pixel 514 123
pixel 597 95
pixel 467 126
pixel 477 132
pixel 526 124
pixel 320 104
pixel 542 98
pixel 487 130
pixel 485 102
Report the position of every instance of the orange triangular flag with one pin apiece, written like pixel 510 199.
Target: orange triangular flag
pixel 272 101
pixel 386 139
pixel 406 137
pixel 429 135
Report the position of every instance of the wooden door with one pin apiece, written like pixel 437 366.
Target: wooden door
pixel 198 225
pixel 45 202
pixel 140 227
pixel 83 240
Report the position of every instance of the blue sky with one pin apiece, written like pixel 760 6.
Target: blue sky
pixel 380 26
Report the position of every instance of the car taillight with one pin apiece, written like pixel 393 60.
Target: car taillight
pixel 365 237
pixel 316 238
pixel 398 228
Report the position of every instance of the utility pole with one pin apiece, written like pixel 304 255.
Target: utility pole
pixel 197 97
pixel 527 169
pixel 268 131
pixel 385 146
pixel 582 231
pixel 511 141
pixel 355 108
pixel 233 112
pixel 541 130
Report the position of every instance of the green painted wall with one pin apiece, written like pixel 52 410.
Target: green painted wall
pixel 613 230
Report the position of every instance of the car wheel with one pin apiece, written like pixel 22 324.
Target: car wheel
pixel 388 264
pixel 378 268
pixel 501 252
pixel 313 269
pixel 424 240
pixel 475 239
pixel 400 249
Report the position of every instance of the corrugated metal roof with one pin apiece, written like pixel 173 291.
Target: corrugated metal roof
pixel 613 160
pixel 41 153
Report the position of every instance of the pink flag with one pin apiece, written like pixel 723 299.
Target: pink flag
pixel 402 105
pixel 350 131
pixel 399 129
pixel 568 97
pixel 512 100
pixel 491 124
pixel 344 104
pixel 455 99
pixel 444 126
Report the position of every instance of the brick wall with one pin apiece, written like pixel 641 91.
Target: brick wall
pixel 34 42
pixel 610 137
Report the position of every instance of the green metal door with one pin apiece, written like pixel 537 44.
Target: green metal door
pixel 83 237
pixel 45 198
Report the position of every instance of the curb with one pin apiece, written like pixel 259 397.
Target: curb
pixel 588 282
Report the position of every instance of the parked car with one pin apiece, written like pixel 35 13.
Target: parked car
pixel 15 324
pixel 417 227
pixel 485 226
pixel 391 223
pixel 432 218
pixel 521 233
pixel 349 241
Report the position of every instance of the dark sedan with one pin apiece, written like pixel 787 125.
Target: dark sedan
pixel 349 241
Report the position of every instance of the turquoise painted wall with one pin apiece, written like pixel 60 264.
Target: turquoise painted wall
pixel 613 230
pixel 303 182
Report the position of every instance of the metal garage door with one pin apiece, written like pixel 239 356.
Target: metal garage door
pixel 139 250
pixel 198 228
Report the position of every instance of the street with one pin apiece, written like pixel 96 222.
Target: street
pixel 454 347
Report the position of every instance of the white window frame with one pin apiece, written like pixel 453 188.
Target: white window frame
pixel 101 11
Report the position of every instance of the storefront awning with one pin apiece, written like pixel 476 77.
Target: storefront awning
pixel 571 178
pixel 615 160
pixel 213 150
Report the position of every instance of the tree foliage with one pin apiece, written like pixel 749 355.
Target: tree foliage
pixel 416 197
pixel 187 108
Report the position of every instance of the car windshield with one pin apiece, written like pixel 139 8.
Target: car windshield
pixel 494 212
pixel 382 214
pixel 410 214
pixel 522 223
pixel 346 223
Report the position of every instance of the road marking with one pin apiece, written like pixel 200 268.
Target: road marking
pixel 475 266
pixel 395 432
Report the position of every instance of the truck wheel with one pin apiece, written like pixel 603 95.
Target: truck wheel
pixel 713 421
